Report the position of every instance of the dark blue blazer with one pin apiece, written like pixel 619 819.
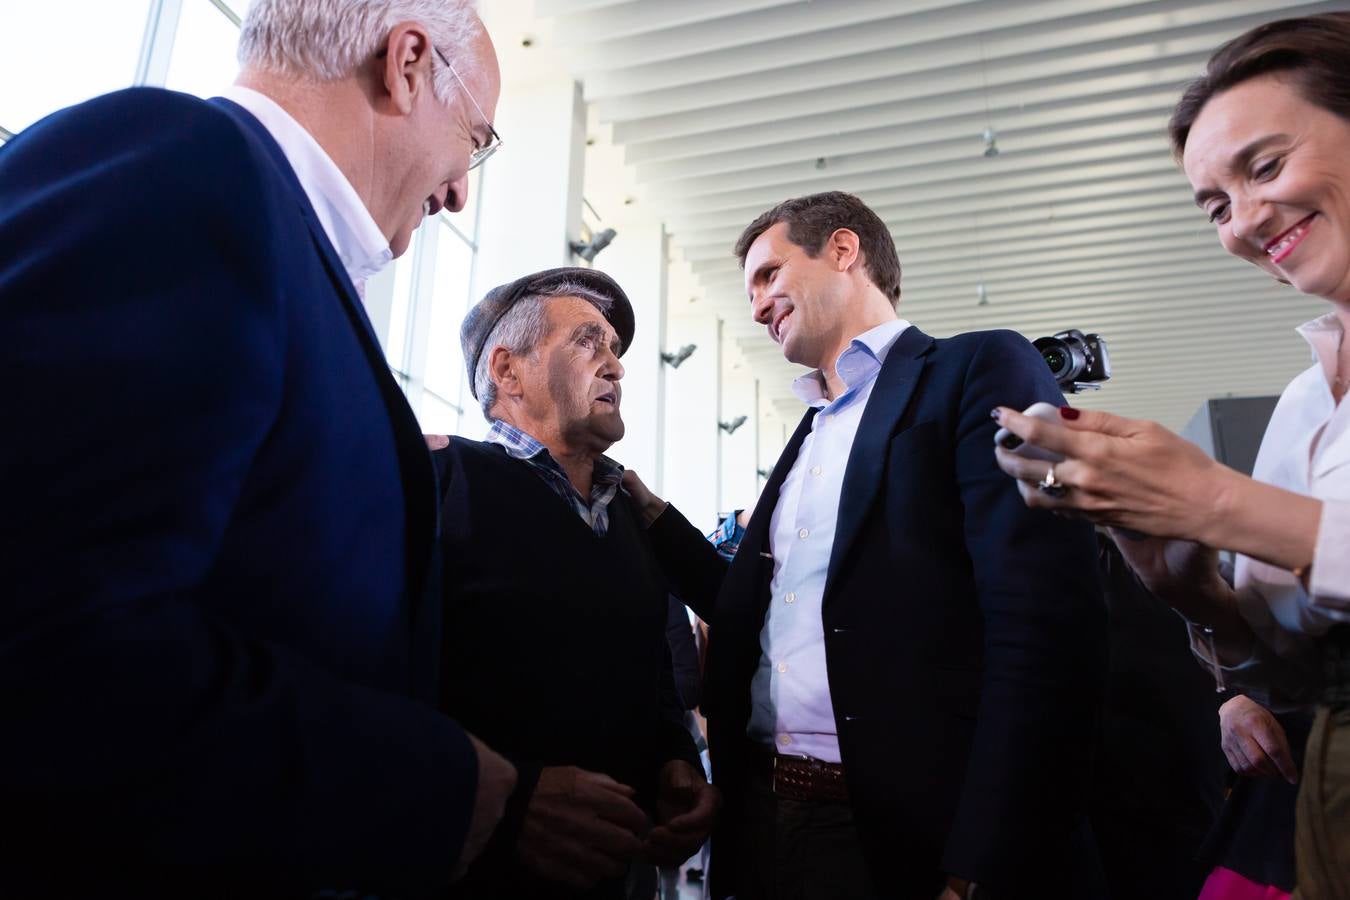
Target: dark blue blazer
pixel 218 658
pixel 964 637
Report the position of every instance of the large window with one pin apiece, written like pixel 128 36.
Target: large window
pixel 203 60
pixel 449 302
pixel 100 47
pixel 431 288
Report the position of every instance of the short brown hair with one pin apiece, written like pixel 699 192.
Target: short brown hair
pixel 1314 50
pixel 811 220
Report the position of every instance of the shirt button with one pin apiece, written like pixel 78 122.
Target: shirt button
pixel 815 470
pixel 803 533
pixel 782 667
pixel 790 598
pixel 784 739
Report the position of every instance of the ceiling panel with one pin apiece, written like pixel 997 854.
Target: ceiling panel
pixel 724 107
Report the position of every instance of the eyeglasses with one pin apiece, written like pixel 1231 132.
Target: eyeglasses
pixel 494 142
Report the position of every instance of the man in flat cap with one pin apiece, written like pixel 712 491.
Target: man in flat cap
pixel 556 649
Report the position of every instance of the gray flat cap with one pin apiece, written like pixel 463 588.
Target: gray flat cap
pixel 485 315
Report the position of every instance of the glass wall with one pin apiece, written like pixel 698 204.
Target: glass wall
pixel 189 45
pixel 100 55
pixel 202 60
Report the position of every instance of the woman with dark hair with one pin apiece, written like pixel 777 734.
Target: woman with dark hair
pixel 1263 139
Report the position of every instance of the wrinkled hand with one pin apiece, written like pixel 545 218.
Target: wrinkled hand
pixel 580 827
pixel 649 505
pixel 1127 473
pixel 496 781
pixel 686 809
pixel 436 441
pixel 1254 741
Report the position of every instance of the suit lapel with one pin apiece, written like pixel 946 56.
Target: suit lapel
pixel 415 465
pixel 752 559
pixel 890 397
pixel 757 530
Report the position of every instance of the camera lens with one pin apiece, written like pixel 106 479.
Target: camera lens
pixel 1076 360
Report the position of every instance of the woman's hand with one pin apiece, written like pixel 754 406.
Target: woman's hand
pixel 1126 473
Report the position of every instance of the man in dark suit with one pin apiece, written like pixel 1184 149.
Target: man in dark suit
pixel 904 665
pixel 555 607
pixel 218 654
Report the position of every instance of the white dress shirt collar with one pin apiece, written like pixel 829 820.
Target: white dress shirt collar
pixel 860 360
pixel 1324 335
pixel 361 246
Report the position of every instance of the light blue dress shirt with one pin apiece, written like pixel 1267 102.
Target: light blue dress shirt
pixel 791 691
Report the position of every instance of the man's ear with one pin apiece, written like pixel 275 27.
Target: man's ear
pixel 407 65
pixel 502 365
pixel 844 248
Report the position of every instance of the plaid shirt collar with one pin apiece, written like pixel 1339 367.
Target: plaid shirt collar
pixel 604 481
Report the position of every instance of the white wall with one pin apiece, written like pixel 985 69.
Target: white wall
pixel 737 483
pixel 691 469
pixel 637 261
pixel 532 188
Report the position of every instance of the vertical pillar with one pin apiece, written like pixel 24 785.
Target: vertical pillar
pixel 533 184
pixel 637 261
pixel 772 436
pixel 692 469
pixel 738 483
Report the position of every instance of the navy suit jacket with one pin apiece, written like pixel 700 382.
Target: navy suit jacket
pixel 964 636
pixel 218 654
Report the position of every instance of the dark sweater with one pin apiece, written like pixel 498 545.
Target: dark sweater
pixel 555 638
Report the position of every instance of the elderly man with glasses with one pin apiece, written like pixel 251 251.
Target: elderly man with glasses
pixel 218 643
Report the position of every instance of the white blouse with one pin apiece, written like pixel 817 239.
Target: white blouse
pixel 1306 449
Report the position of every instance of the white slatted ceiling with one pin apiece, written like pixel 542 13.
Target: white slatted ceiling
pixel 724 107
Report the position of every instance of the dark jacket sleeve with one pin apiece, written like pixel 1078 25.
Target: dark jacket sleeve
pixel 140 312
pixel 683 653
pixel 691 564
pixel 673 738
pixel 1044 668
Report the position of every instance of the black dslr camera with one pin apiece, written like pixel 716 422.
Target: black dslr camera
pixel 1078 361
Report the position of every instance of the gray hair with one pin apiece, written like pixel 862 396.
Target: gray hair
pixel 521 330
pixel 328 39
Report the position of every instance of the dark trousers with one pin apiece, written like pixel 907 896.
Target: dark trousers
pixel 795 850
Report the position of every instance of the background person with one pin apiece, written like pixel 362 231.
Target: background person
pixel 1262 139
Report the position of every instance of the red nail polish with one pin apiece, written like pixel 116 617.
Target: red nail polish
pixel 1068 412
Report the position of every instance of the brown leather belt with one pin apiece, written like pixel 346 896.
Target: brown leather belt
pixel 801 778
